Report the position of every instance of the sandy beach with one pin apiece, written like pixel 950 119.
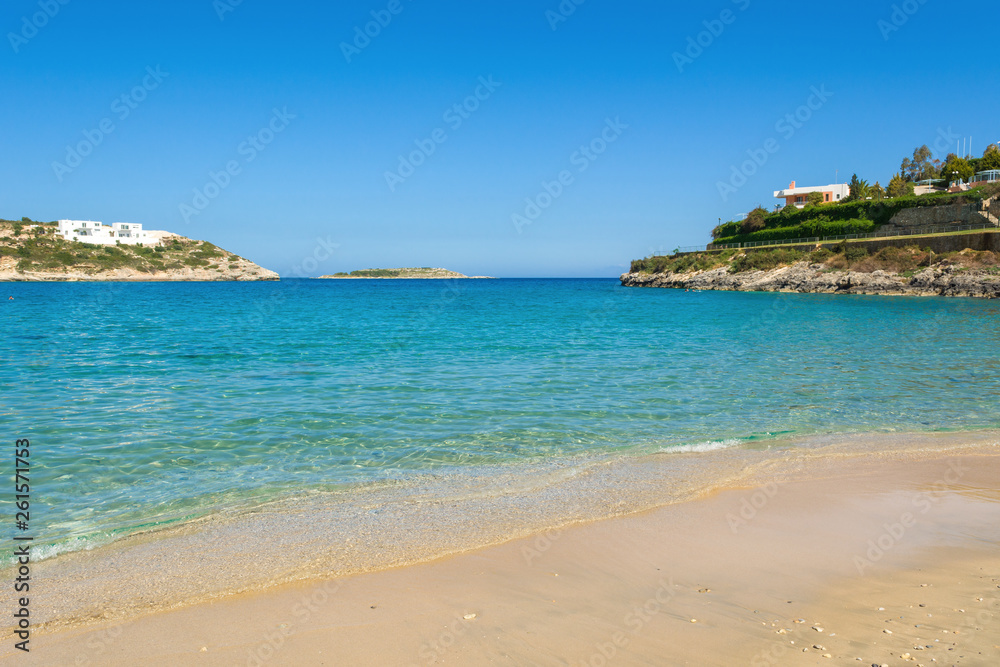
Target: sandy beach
pixel 862 560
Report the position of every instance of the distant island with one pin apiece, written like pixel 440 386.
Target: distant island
pixel 70 250
pixel 425 273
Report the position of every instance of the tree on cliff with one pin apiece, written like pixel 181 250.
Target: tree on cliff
pixel 877 192
pixel 859 189
pixel 922 167
pixel 990 159
pixel 898 187
pixel 754 220
pixel 956 169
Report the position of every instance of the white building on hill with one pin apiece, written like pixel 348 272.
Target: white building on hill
pixel 88 231
pixel 799 196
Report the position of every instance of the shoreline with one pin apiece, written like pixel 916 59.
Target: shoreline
pixel 288 543
pixel 750 569
pixel 806 278
pixel 64 278
pixel 405 278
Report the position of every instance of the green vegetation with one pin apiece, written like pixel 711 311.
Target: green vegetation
pixel 956 169
pixel 844 256
pixel 848 217
pixel 687 263
pixel 376 273
pixel 866 209
pixel 765 260
pixel 423 272
pixel 899 187
pixel 36 247
pixel 859 189
pixel 922 167
pixel 737 260
pixel 990 159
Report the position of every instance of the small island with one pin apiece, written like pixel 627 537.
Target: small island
pixel 425 273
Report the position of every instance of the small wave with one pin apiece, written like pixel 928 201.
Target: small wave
pixel 701 447
pixel 46 551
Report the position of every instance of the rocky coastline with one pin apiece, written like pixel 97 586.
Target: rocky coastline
pixel 241 270
pixel 31 252
pixel 805 277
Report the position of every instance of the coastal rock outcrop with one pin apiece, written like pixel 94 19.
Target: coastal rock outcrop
pixel 815 278
pixel 33 252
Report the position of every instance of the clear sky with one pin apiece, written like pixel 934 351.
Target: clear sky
pixel 134 111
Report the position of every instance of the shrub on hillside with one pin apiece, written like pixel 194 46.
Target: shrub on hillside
pixel 820 227
pixel 687 263
pixel 764 260
pixel 855 252
pixel 755 220
pixel 820 256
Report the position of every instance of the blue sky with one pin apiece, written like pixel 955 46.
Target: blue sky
pixel 309 129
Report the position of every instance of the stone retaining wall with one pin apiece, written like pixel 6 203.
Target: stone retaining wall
pixel 913 219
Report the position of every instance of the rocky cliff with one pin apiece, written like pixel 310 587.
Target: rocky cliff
pixel 803 277
pixel 965 274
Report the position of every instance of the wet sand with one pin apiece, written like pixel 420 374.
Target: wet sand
pixel 777 574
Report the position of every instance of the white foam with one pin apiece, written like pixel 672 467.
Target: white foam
pixel 701 447
pixel 46 551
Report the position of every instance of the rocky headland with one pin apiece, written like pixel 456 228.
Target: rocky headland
pixel 32 251
pixel 891 271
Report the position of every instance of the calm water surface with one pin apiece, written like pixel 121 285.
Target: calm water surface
pixel 149 404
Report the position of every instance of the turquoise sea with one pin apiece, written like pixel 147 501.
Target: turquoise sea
pixel 152 405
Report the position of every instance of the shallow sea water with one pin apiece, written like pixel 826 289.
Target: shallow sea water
pixel 152 406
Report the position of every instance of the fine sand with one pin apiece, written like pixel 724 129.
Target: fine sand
pixel 870 562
